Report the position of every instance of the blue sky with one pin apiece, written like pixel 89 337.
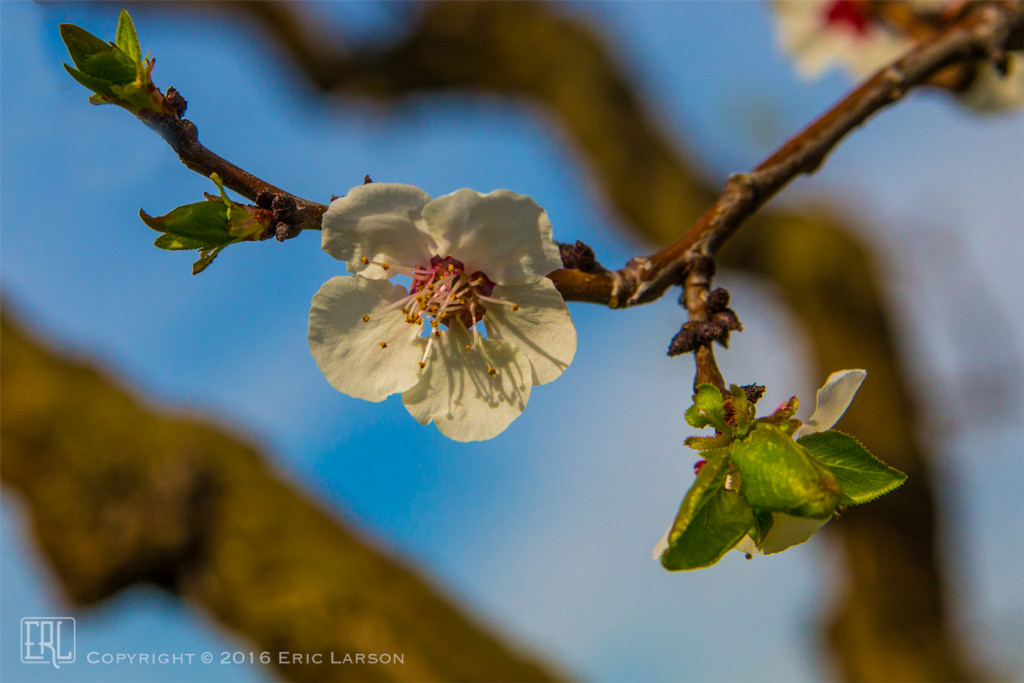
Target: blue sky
pixel 547 529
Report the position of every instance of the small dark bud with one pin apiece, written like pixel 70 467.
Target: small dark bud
pixel 754 392
pixel 579 256
pixel 729 413
pixel 176 102
pixel 283 232
pixel 694 334
pixel 283 202
pixel 265 199
pixel 367 179
pixel 708 331
pixel 685 341
pixel 284 208
pixel 728 320
pixel 718 299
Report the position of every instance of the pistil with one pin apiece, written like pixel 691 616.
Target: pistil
pixel 440 292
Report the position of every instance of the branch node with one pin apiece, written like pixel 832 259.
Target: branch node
pixel 619 286
pixel 265 200
pixel 579 256
pixel 754 392
pixel 175 101
pixel 283 231
pixel 718 300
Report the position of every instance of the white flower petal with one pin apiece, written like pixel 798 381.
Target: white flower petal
pixel 541 328
pixel 503 234
pixel 786 532
pixel 458 394
pixel 347 350
pixel 661 546
pixel 816 44
pixel 990 91
pixel 747 547
pixel 382 222
pixel 832 401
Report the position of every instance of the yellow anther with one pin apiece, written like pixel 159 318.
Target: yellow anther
pixel 365 260
pixel 383 345
pixel 451 268
pixel 437 333
pixel 384 266
pixel 515 307
pixel 492 372
pixel 434 323
pixel 467 348
pixel 366 318
pixel 422 365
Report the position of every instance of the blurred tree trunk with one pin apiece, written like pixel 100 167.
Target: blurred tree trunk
pixel 120 493
pixel 890 621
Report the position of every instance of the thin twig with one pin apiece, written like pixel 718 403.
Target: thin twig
pixel 182 136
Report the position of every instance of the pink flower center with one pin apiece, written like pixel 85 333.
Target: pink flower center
pixel 441 292
pixel 851 15
pixel 444 290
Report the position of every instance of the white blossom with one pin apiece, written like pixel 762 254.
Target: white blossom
pixel 991 91
pixel 471 258
pixel 821 34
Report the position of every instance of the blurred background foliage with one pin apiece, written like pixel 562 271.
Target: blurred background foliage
pixel 120 493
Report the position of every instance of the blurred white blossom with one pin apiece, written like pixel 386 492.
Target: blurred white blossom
pixel 852 34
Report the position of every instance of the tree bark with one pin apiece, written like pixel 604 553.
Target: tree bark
pixel 120 493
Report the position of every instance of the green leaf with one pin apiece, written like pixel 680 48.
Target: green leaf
pixel 710 478
pixel 715 530
pixel 176 243
pixel 127 39
pixel 205 259
pixel 112 65
pixel 707 443
pixel 779 475
pixel 741 408
pixel 81 44
pixel 862 476
pixel 708 409
pixel 97 59
pixel 206 222
pixel 783 416
pixel 97 85
pixel 763 521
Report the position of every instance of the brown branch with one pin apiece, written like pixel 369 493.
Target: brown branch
pixel 981 33
pixel 183 137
